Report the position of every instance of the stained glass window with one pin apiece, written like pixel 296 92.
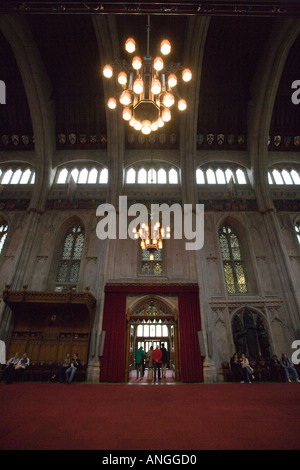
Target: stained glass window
pixel 151 268
pixel 250 335
pixel 3 234
pixel 68 270
pixel 233 265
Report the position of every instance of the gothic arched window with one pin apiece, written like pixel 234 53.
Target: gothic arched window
pixel 250 335
pixel 69 264
pixel 3 234
pixel 232 261
pixel 151 268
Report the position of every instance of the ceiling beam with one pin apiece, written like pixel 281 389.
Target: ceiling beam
pixel 251 8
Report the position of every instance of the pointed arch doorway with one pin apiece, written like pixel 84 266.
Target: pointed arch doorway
pixel 114 362
pixel 151 323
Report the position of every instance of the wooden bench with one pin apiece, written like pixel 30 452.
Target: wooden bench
pixel 262 372
pixel 42 371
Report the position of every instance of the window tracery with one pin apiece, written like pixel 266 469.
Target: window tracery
pixel 220 174
pixel 17 175
pixel 82 175
pixel 69 265
pixel 233 263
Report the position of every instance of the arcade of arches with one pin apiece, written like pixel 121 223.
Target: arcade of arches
pixel 63 154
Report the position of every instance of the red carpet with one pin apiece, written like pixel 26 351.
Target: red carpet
pixel 150 417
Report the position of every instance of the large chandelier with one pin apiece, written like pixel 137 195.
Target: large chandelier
pixel 148 87
pixel 152 236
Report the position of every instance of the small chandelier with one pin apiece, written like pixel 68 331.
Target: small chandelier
pixel 152 237
pixel 148 88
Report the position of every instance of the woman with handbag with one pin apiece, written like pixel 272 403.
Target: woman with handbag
pixel 247 369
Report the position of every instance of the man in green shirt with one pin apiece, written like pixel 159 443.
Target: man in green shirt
pixel 139 360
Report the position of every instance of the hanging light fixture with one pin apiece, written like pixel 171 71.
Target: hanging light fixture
pixel 148 87
pixel 152 236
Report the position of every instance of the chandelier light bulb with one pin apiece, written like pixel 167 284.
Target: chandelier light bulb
pixel 122 78
pixel 168 100
pixel 138 86
pixel 130 45
pixel 108 71
pixel 166 115
pixel 154 126
pixel 156 87
pixel 112 103
pixel 172 80
pixel 151 257
pixel 160 244
pixel 137 125
pixel 186 75
pixel 146 127
pixel 125 98
pixel 160 122
pixel 136 63
pixel 165 47
pixel 158 64
pixel 127 114
pixel 132 122
pixel 182 105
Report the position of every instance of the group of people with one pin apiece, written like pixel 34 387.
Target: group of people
pixel 156 359
pixel 14 366
pixel 65 372
pixel 241 369
pixel 243 372
pixel 67 369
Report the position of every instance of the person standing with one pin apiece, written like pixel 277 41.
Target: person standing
pixel 150 363
pixel 157 359
pixel 164 359
pixel 288 368
pixel 139 361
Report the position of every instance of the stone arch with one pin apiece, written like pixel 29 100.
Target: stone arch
pixel 161 301
pixel 251 333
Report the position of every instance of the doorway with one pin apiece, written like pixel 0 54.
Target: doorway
pixel 152 324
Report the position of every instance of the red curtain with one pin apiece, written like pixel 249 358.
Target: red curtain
pixel 189 325
pixel 114 324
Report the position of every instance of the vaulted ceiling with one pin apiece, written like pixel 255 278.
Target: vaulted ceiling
pixel 70 53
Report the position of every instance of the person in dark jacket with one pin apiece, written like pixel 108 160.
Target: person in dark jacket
pixel 164 359
pixel 60 374
pixel 275 369
pixel 288 368
pixel 157 359
pixel 236 368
